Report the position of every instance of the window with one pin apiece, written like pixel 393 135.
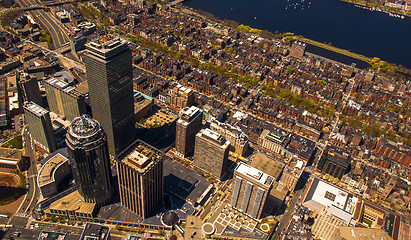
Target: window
pixel 330 196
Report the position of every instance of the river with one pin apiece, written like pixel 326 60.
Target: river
pixel 370 33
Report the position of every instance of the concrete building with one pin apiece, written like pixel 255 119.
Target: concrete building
pixel 211 152
pixel 95 231
pixel 40 127
pixel 188 125
pixel 90 161
pixel 140 178
pixel 64 99
pixel 52 173
pixel 143 104
pixel 273 141
pixel 334 161
pixel 109 73
pixel 326 226
pixel 181 97
pixel 298 49
pixel 237 138
pixel 250 190
pixel 292 173
pixel 12 159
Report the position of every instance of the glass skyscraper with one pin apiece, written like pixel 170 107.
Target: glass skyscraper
pixel 89 160
pixel 109 74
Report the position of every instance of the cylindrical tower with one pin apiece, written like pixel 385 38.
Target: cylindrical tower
pixel 90 161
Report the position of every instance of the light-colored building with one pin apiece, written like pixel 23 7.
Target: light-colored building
pixel 250 190
pixel 11 159
pixel 326 225
pixel 211 152
pixel 238 139
pixel 181 97
pixel 273 141
pixel 51 173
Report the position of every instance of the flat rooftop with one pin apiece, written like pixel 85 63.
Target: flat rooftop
pixel 255 174
pixel 10 154
pixel 73 202
pixel 268 165
pixel 46 174
pixel 35 109
pixel 141 157
pixel 95 231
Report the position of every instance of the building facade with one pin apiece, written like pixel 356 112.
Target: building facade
pixel 40 127
pixel 298 49
pixel 90 160
pixel 29 90
pixel 188 125
pixel 211 152
pixel 237 138
pixel 250 190
pixel 64 99
pixel 334 161
pixel 140 178
pixel 109 74
pixel 181 97
pixel 273 141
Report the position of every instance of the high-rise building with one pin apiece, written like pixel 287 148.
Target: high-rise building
pixel 40 127
pixel 238 139
pixel 109 74
pixel 90 161
pixel 64 99
pixel 140 177
pixel 188 125
pixel 250 190
pixel 29 90
pixel 211 152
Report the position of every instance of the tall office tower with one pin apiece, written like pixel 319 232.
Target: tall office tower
pixel 211 152
pixel 29 90
pixel 140 177
pixel 250 190
pixel 64 99
pixel 109 74
pixel 89 159
pixel 298 49
pixel 188 125
pixel 40 127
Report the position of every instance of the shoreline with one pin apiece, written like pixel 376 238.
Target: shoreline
pixel 393 12
pixel 186 10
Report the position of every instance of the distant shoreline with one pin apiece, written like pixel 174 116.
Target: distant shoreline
pixel 393 12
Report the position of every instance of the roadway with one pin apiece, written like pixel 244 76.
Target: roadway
pixel 286 218
pixel 33 194
pixel 57 34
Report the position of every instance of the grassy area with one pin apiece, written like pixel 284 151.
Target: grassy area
pixel 16 142
pixel 335 49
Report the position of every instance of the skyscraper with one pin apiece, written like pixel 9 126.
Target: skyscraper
pixel 64 99
pixel 211 152
pixel 188 125
pixel 40 126
pixel 109 74
pixel 140 178
pixel 29 90
pixel 250 190
pixel 90 161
